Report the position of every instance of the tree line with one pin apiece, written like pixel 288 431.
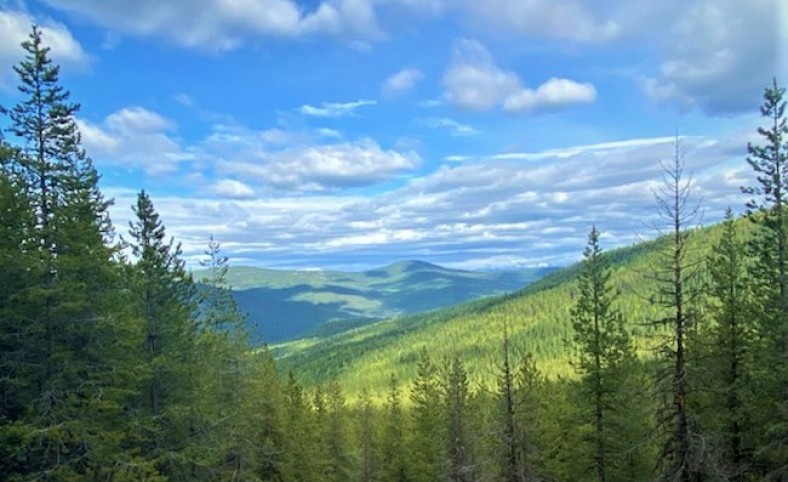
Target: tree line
pixel 115 365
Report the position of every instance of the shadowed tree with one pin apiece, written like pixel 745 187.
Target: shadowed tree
pixel 768 208
pixel 603 356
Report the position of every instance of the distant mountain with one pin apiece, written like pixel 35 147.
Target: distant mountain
pixel 285 304
pixel 537 316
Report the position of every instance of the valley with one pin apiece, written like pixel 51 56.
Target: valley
pixel 283 304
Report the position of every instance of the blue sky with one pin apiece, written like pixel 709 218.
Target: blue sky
pixel 346 134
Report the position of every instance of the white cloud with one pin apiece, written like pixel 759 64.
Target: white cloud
pixel 523 208
pixel 455 128
pixel 15 27
pixel 136 138
pixel 473 81
pixel 232 189
pixel 554 93
pixel 721 56
pixel 334 109
pixel 568 19
pixel 403 80
pixel 223 25
pixel 329 166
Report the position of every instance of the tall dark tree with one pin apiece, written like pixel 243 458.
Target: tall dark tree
pixel 456 395
pixel 731 348
pixel 602 354
pixel 675 276
pixel 769 210
pixel 512 453
pixel 73 284
pixel 164 300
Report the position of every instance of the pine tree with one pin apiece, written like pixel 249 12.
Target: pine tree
pixel 368 463
pixel 731 349
pixel 340 464
pixel 512 453
pixel 73 283
pixel 301 442
pixel 428 439
pixel 769 210
pixel 165 303
pixel 393 446
pixel 456 395
pixel 529 417
pixel 603 356
pixel 221 415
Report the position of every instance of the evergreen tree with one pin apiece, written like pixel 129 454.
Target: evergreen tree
pixel 731 350
pixel 164 300
pixel 769 210
pixel 603 357
pixel 340 464
pixel 71 283
pixel 529 418
pixel 456 395
pixel 428 440
pixel 301 441
pixel 368 464
pixel 512 453
pixel 394 457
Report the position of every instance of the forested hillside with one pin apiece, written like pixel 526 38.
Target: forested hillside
pixel 283 304
pixel 537 319
pixel 115 365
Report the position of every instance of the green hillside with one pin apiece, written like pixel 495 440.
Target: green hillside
pixel 537 317
pixel 287 304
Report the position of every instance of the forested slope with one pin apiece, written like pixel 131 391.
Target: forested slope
pixel 538 319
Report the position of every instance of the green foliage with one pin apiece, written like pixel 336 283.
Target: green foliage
pixel 769 277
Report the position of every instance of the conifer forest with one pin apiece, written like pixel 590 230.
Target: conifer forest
pixel 117 364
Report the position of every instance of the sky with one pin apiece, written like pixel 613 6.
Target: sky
pixel 349 134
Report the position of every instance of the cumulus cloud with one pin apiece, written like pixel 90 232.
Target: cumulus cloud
pixel 720 56
pixel 473 81
pixel 15 28
pixel 334 109
pixel 555 93
pixel 403 80
pixel 222 25
pixel 135 137
pixel 232 189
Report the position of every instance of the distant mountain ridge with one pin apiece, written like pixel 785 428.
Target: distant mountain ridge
pixel 285 304
pixel 538 321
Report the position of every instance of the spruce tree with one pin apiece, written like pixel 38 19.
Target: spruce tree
pixel 428 434
pixel 603 355
pixel 456 395
pixel 768 208
pixel 393 446
pixel 731 350
pixel 164 300
pixel 367 439
pixel 73 282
